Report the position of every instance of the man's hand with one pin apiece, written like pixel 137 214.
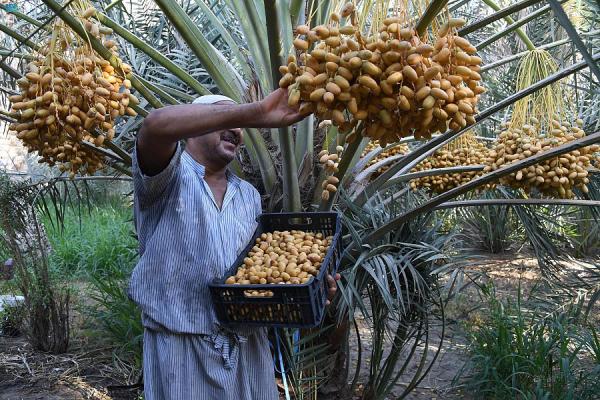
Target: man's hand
pixel 332 281
pixel 275 111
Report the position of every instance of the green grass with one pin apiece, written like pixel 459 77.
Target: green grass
pixel 96 240
pixel 524 354
pixel 93 241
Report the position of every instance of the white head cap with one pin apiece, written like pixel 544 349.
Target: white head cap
pixel 211 99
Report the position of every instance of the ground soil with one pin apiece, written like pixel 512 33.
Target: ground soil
pixel 85 372
pixel 91 371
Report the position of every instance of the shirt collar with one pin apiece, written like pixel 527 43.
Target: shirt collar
pixel 200 170
pixel 195 165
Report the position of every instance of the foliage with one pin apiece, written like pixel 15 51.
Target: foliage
pixel 586 236
pixel 585 239
pixel 549 230
pixel 489 228
pixel 393 285
pixel 517 353
pixel 308 359
pixel 47 301
pixel 93 240
pixel 4 252
pixel 12 318
pixel 118 316
pixel 97 244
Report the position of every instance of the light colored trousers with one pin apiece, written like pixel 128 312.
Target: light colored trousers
pixel 203 367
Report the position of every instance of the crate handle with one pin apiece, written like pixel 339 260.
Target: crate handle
pixel 299 221
pixel 263 294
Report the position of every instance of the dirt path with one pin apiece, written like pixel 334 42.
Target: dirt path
pixel 438 384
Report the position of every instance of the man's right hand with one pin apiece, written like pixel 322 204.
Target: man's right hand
pixel 275 111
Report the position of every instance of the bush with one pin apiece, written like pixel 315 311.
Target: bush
pixel 516 355
pixel 93 240
pixel 487 228
pixel 12 318
pixel 586 231
pixel 4 252
pixel 118 316
pixel 47 301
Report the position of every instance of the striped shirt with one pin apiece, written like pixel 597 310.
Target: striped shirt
pixel 185 242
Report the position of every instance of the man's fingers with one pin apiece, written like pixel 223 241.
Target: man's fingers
pixel 331 281
pixel 298 117
pixel 306 112
pixel 332 286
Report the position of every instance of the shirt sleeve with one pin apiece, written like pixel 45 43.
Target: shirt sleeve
pixel 148 189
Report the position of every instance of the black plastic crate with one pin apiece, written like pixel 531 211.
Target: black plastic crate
pixel 291 306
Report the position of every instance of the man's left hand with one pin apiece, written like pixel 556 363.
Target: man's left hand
pixel 332 281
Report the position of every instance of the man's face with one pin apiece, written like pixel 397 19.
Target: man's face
pixel 219 146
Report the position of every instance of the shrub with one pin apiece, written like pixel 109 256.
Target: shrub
pixel 93 240
pixel 12 317
pixel 517 354
pixel 47 301
pixel 117 315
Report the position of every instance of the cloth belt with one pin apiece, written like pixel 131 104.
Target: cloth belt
pixel 223 340
pixel 228 344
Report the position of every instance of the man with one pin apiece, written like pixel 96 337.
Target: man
pixel 193 218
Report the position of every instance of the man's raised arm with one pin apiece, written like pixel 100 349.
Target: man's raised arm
pixel 164 127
